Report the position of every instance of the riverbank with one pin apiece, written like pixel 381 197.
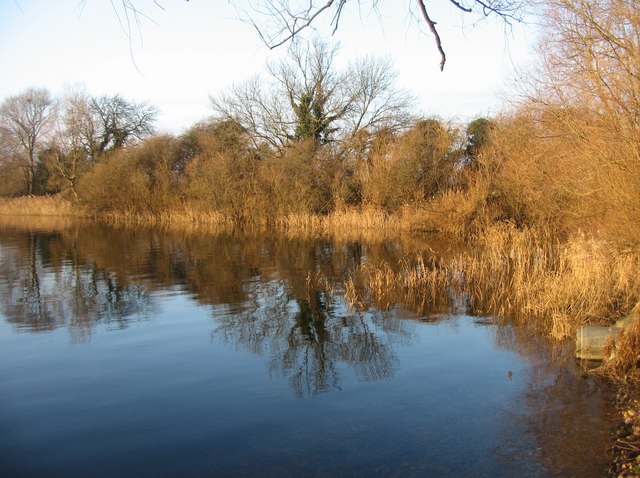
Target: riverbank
pixel 41 206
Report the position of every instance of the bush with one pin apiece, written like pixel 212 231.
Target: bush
pixel 298 182
pixel 412 168
pixel 561 168
pixel 139 179
pixel 220 174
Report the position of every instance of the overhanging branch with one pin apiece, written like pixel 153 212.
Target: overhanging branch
pixel 432 27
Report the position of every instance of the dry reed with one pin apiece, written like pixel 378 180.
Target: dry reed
pixel 40 206
pixel 356 219
pixel 525 274
pixel 350 224
pixel 185 220
pixel 555 286
pixel 625 355
pixel 39 223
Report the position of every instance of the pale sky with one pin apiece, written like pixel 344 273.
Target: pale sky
pixel 190 50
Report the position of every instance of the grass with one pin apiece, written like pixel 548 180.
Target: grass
pixel 40 206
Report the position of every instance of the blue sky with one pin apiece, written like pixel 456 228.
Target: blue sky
pixel 190 50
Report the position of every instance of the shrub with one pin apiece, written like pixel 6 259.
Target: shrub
pixel 298 182
pixel 411 168
pixel 138 179
pixel 220 174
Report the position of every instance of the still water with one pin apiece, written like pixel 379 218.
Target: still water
pixel 148 353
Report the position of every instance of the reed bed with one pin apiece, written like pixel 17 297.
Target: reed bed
pixel 356 219
pixel 556 286
pixel 361 222
pixel 524 274
pixel 356 224
pixel 182 220
pixel 40 223
pixel 40 206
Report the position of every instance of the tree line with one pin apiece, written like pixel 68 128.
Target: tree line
pixel 304 137
pixel 48 143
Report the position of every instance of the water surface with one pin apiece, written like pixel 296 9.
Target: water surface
pixel 148 353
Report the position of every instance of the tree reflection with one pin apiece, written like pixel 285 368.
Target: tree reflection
pixel 307 339
pixel 263 299
pixel 28 299
pixel 310 351
pixel 41 291
pixel 257 287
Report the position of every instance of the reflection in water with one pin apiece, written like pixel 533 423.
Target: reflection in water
pixel 264 298
pixel 88 276
pixel 44 284
pixel 572 429
pixel 306 337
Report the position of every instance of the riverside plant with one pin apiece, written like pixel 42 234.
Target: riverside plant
pixel 40 206
pixel 553 286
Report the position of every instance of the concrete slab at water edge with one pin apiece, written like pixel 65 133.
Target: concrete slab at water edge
pixel 591 340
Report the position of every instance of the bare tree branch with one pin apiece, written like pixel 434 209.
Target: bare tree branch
pixel 432 27
pixel 280 21
pixel 461 7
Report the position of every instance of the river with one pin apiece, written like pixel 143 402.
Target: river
pixel 143 352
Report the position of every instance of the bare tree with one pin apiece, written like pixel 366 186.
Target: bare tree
pixel 305 97
pixel 74 142
pixel 91 126
pixel 261 113
pixel 279 21
pixel 26 120
pixel 312 87
pixel 116 121
pixel 591 57
pixel 586 90
pixel 375 102
pixel 11 172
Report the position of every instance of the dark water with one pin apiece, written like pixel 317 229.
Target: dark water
pixel 145 353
